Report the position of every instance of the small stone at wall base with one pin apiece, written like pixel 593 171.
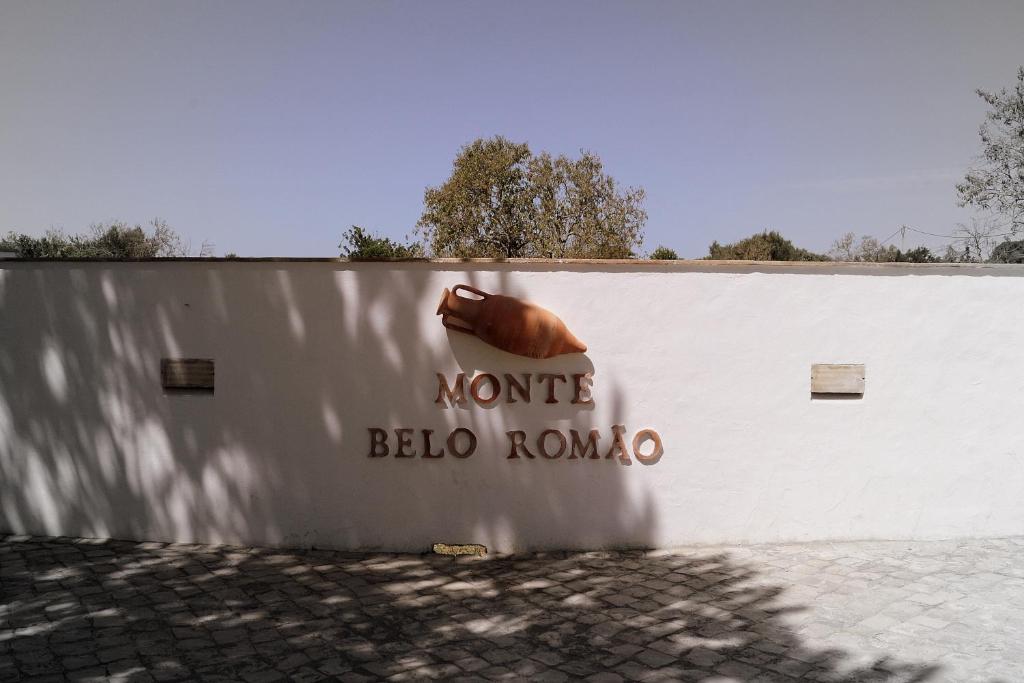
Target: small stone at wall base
pixel 459 549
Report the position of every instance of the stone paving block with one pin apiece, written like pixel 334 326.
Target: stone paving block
pixel 263 676
pixel 96 674
pixel 654 658
pixel 605 677
pixel 738 670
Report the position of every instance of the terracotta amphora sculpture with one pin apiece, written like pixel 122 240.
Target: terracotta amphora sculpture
pixel 507 323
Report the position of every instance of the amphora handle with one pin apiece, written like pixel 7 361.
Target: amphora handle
pixel 455 310
pixel 482 295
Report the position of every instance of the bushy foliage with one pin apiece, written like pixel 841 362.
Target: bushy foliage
pixel 113 241
pixel 1008 252
pixel 917 255
pixel 765 246
pixel 664 254
pixel 359 243
pixel 503 201
pixel 870 250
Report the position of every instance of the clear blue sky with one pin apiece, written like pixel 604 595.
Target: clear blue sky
pixel 268 128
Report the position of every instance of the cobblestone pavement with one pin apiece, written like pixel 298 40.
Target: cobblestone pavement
pixel 94 610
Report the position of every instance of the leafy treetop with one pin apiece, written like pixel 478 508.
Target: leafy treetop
pixel 664 254
pixel 765 246
pixel 359 243
pixel 501 200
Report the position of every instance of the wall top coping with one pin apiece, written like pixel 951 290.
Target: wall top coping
pixel 612 265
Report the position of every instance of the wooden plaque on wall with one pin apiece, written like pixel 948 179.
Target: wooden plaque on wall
pixel 195 374
pixel 845 378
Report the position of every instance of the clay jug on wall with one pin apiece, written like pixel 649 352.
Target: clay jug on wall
pixel 507 323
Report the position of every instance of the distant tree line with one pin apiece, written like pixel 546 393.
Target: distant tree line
pixel 502 200
pixel 114 240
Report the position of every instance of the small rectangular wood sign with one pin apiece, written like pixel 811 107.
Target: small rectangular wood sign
pixel 837 379
pixel 187 373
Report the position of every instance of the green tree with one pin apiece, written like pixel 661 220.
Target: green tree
pixel 664 254
pixel 581 212
pixel 1008 252
pixel 503 201
pixel 358 243
pixel 997 183
pixel 917 255
pixel 115 240
pixel 53 244
pixel 765 246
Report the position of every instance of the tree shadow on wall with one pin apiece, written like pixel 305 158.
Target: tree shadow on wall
pixel 307 358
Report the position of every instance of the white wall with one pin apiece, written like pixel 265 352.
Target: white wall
pixel 310 354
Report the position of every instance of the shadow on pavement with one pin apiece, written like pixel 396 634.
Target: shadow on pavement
pixel 142 611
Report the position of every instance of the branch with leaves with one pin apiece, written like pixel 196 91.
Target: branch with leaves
pixel 996 184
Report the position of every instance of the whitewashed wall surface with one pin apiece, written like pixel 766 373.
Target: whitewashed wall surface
pixel 310 356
